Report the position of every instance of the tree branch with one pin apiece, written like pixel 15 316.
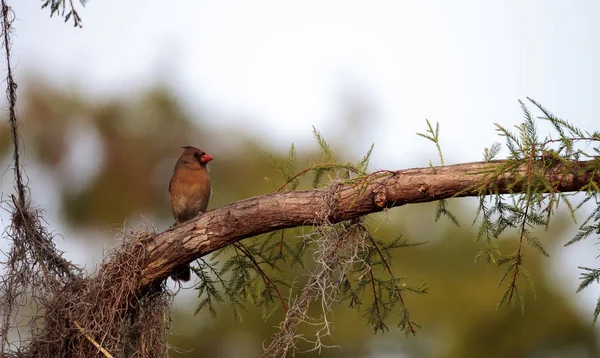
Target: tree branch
pixel 230 223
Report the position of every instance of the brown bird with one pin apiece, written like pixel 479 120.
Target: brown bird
pixel 189 190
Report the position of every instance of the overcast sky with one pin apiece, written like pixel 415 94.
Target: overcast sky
pixel 279 67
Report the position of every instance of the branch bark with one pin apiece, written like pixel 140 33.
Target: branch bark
pixel 230 223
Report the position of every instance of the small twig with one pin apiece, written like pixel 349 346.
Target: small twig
pixel 513 284
pixel 281 242
pixel 573 139
pixel 214 273
pixel 266 279
pixel 375 299
pixel 397 289
pixel 347 167
pixel 89 338
pixel 549 206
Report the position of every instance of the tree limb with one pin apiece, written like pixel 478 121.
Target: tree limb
pixel 230 223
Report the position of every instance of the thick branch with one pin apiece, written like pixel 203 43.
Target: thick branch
pixel 230 223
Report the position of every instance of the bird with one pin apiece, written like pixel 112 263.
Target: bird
pixel 189 192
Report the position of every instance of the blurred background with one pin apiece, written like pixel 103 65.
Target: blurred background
pixel 106 108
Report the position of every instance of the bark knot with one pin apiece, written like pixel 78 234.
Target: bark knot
pixel 380 198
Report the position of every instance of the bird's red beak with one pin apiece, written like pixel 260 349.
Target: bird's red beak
pixel 206 158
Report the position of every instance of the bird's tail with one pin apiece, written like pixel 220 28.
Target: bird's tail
pixel 181 273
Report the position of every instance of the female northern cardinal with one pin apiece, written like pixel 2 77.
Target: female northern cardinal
pixel 189 190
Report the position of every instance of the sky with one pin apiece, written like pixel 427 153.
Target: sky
pixel 276 68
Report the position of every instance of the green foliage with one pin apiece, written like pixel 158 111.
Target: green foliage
pixel 328 166
pixel 242 280
pixel 207 287
pixel 379 287
pixel 442 210
pixel 323 146
pixel 434 136
pixel 588 277
pixel 287 168
pixel 60 7
pixel 490 153
pixel 363 163
pixel 536 197
pixel 442 205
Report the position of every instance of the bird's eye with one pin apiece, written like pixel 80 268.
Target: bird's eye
pixel 196 155
pixel 202 154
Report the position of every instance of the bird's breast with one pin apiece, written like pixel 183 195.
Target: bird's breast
pixel 189 192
